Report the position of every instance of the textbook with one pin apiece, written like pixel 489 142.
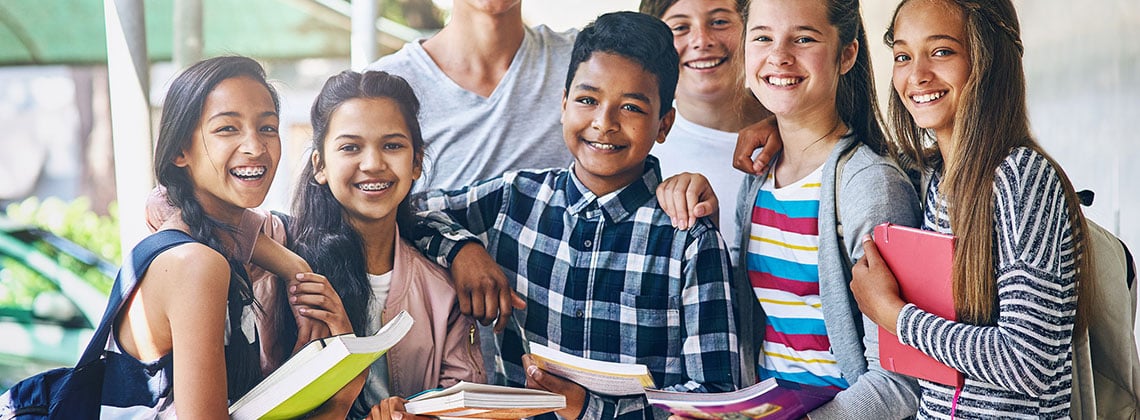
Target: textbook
pixel 471 400
pixel 770 399
pixel 922 262
pixel 316 372
pixel 606 378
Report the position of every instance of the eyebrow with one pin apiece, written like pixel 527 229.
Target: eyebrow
pixel 358 137
pixel 711 12
pixel 236 114
pixel 632 95
pixel 933 38
pixel 798 28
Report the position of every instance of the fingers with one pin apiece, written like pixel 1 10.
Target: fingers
pixel 747 141
pixel 506 304
pixel 870 252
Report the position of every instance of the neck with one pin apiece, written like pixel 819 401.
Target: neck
pixel 809 139
pixel 715 114
pixel 945 148
pixel 478 41
pixel 379 245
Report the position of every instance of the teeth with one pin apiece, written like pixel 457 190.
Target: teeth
pixel 374 186
pixel 248 171
pixel 927 97
pixel 783 81
pixel 602 146
pixel 705 64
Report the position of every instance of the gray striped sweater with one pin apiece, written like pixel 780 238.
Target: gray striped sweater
pixel 1020 368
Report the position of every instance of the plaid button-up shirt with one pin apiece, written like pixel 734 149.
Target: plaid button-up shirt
pixel 607 278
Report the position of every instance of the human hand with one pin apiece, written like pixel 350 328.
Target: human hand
pixel 687 196
pixel 575 394
pixel 482 288
pixel 392 409
pixel 314 298
pixel 875 288
pixel 763 135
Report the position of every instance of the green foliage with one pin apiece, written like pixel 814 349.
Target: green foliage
pixel 76 222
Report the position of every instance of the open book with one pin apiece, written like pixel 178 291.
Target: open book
pixel 606 378
pixel 771 399
pixel 466 399
pixel 316 372
pixel 923 263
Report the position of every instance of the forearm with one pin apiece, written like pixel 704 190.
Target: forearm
pixel 339 405
pixel 274 257
pixel 601 407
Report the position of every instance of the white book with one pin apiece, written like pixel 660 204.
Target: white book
pixel 606 378
pixel 483 401
pixel 316 372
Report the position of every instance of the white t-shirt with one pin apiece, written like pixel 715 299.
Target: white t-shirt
pixel 694 148
pixel 471 138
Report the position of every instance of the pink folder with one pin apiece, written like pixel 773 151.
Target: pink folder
pixel 922 262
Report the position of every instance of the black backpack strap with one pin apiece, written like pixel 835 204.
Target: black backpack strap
pixel 125 284
pixel 286 220
pixel 1130 263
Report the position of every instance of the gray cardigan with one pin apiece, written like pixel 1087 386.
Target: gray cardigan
pixel 873 191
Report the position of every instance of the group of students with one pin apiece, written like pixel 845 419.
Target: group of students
pixel 606 259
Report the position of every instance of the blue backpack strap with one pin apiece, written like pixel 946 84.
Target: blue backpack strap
pixel 126 283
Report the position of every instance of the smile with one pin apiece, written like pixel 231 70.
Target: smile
pixel 607 147
pixel 929 97
pixel 374 186
pixel 248 172
pixel 783 81
pixel 706 63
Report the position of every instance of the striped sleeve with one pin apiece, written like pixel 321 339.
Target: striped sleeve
pixel 1028 349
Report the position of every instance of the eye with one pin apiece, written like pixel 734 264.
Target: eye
pixel 721 22
pixel 348 147
pixel 901 58
pixel 394 145
pixel 804 40
pixel 943 52
pixel 678 29
pixel 226 129
pixel 632 108
pixel 586 100
pixel 268 128
pixel 762 38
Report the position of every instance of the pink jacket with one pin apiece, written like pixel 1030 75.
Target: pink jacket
pixel 442 348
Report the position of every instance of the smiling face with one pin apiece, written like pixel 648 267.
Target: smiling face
pixel 793 59
pixel 706 34
pixel 234 150
pixel 610 121
pixel 369 162
pixel 931 63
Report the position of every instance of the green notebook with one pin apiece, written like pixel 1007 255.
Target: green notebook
pixel 316 372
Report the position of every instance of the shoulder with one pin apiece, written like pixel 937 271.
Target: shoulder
pixel 1025 166
pixel 190 263
pixel 420 267
pixel 401 61
pixel 868 173
pixel 555 40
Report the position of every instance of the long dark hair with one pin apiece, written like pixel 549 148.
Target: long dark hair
pixel 992 119
pixel 320 233
pixel 181 115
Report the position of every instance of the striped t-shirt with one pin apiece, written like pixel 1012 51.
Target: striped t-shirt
pixel 784 273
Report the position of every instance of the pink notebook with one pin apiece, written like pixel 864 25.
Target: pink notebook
pixel 922 262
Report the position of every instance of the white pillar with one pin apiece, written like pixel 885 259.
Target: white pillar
pixel 187 33
pixel 363 41
pixel 128 74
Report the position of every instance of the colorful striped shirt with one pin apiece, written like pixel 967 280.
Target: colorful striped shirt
pixel 784 273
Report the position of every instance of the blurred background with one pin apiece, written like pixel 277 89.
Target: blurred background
pixel 58 183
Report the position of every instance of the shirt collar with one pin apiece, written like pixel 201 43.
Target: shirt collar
pixel 621 204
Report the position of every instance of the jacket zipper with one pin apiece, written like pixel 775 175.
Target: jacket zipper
pixel 470 354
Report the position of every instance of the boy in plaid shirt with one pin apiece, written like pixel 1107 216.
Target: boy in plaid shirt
pixel 603 272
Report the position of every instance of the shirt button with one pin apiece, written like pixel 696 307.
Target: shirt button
pixel 588 243
pixel 579 313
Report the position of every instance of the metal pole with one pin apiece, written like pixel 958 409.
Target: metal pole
pixel 129 81
pixel 363 41
pixel 187 33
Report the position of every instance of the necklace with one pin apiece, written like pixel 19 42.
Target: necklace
pixel 825 135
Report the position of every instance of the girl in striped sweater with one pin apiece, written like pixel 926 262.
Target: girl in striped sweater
pixel 959 81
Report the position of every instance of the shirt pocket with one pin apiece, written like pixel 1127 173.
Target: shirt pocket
pixel 651 328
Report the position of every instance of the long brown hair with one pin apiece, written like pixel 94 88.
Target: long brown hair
pixel 991 120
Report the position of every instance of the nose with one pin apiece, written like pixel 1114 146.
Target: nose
pixel 604 120
pixel 920 73
pixel 701 39
pixel 372 160
pixel 253 144
pixel 780 55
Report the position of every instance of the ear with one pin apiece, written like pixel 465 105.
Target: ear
pixel 847 57
pixel 666 124
pixel 181 161
pixel 318 169
pixel 562 117
pixel 418 166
